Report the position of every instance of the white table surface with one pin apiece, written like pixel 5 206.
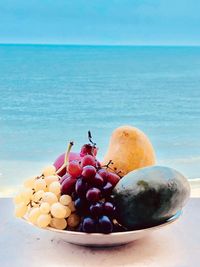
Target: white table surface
pixel 26 246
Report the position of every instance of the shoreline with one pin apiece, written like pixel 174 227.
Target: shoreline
pixel 10 191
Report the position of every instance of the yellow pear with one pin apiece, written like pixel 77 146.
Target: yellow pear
pixel 129 149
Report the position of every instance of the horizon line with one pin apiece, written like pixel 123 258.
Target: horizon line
pixel 107 45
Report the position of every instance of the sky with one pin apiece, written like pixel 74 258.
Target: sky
pixel 115 22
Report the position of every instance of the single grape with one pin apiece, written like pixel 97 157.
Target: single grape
pixel 81 187
pixel 58 210
pixel 78 204
pixel 60 224
pixel 43 220
pixel 44 208
pixel 49 170
pixel 98 181
pixel 68 186
pixel 108 208
pixel 89 225
pixel 88 173
pixel 87 149
pixel 73 220
pixel 55 188
pixel 104 174
pixel 49 197
pixel 65 200
pixel 105 225
pixel 81 206
pixel 88 160
pixel 93 194
pixel 39 184
pixel 107 189
pixel 20 210
pixel 26 195
pixel 34 214
pixel 74 168
pixel 113 178
pixel 96 209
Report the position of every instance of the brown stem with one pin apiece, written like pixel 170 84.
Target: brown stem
pixel 107 166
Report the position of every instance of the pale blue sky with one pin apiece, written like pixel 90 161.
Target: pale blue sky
pixel 100 21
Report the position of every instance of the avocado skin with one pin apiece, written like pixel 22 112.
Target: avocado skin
pixel 149 196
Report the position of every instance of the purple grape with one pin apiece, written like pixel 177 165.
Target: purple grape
pixel 89 225
pixel 81 187
pixel 104 174
pixel 93 194
pixel 105 225
pixel 81 206
pixel 113 178
pixel 88 149
pixel 107 189
pixel 96 209
pixel 108 208
pixel 88 160
pixel 67 186
pixel 88 173
pixel 98 181
pixel 74 168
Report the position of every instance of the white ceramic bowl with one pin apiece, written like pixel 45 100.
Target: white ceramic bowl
pixel 107 240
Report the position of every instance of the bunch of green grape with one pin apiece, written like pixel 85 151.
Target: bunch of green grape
pixel 41 203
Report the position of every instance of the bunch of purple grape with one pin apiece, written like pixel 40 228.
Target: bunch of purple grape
pixel 91 186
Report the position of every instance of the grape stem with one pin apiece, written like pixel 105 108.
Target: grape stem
pixel 107 166
pixel 90 138
pixel 66 159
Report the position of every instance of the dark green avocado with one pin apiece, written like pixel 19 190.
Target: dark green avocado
pixel 149 196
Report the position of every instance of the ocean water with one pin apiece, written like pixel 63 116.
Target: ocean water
pixel 52 94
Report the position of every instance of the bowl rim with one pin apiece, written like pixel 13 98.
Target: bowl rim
pixel 167 222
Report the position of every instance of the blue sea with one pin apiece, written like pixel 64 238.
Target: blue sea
pixel 51 94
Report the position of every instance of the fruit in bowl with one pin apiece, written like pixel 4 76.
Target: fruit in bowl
pixel 80 194
pixel 79 200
